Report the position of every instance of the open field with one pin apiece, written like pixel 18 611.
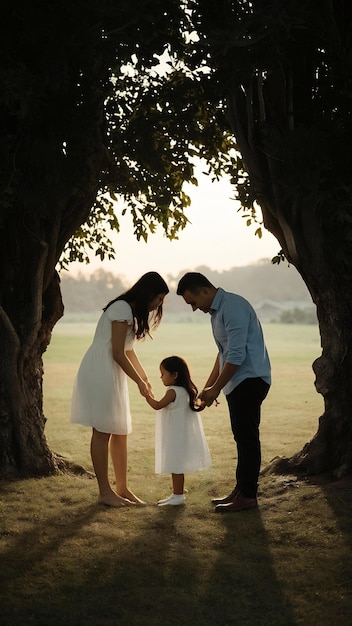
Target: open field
pixel 290 413
pixel 68 561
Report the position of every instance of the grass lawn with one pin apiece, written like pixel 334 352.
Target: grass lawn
pixel 67 561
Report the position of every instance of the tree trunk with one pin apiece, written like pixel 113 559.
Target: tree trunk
pixel 315 249
pixel 30 306
pixel 23 338
pixel 330 450
pixel 49 194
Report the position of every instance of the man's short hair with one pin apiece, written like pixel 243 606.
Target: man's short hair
pixel 192 281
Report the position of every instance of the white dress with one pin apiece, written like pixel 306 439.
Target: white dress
pixel 180 444
pixel 100 395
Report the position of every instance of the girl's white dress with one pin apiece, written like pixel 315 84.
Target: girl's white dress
pixel 180 444
pixel 100 394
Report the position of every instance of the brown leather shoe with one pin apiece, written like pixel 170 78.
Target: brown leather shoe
pixel 226 499
pixel 239 504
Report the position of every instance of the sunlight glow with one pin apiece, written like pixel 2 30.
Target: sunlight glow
pixel 216 237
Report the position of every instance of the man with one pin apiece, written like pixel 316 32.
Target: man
pixel 242 371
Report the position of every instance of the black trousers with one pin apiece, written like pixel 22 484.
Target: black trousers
pixel 244 406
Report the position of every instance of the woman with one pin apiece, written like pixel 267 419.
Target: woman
pixel 100 396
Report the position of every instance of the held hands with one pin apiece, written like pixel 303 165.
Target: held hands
pixel 200 404
pixel 208 396
pixel 145 388
pixel 149 387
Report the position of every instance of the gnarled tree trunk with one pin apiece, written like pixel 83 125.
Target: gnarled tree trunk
pixel 311 241
pixel 30 298
pixel 23 446
pixel 330 450
pixel 28 314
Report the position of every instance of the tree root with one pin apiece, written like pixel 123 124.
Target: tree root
pixel 64 466
pixel 304 465
pixel 282 465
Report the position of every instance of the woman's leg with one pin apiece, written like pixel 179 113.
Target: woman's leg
pixel 118 452
pixel 99 452
pixel 178 482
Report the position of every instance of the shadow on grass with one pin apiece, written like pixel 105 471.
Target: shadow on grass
pixel 25 598
pixel 252 595
pixel 338 494
pixel 151 566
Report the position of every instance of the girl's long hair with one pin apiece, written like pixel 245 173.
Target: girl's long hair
pixel 139 296
pixel 176 364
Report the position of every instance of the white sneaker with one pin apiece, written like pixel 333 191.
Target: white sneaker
pixel 164 499
pixel 173 500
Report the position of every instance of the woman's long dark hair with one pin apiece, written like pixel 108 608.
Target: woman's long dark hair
pixel 176 364
pixel 141 294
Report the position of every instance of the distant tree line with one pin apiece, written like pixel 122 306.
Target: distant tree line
pixel 298 316
pixel 90 293
pixel 260 283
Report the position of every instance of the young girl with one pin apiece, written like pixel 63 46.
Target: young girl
pixel 180 445
pixel 100 396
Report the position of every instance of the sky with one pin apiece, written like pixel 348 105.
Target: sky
pixel 217 237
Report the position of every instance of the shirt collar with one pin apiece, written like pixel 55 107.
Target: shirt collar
pixel 215 305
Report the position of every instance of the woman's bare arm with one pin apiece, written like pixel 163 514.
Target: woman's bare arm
pixel 118 338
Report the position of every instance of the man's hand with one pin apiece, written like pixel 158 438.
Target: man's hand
pixel 209 395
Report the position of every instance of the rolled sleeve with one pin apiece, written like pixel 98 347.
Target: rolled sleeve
pixel 236 333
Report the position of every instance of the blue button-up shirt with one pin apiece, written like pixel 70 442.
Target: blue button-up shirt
pixel 239 338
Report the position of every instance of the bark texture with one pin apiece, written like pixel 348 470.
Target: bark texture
pixel 30 300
